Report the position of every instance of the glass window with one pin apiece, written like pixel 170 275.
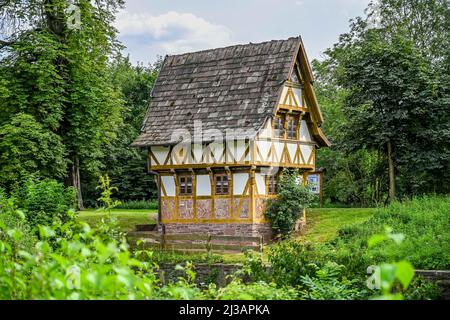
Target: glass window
pixel 222 187
pixel 185 185
pixel 278 127
pixel 292 128
pixel 295 78
pixel 272 184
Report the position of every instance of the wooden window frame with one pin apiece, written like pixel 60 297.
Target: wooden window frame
pixel 273 184
pixel 222 189
pixel 184 184
pixel 282 134
pixel 296 127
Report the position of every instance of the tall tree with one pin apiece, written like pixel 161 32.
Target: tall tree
pixel 127 166
pixel 60 51
pixel 392 62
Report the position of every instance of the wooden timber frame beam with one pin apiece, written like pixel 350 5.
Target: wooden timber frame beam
pixel 252 192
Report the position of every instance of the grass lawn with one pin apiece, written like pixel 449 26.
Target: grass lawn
pixel 127 219
pixel 322 224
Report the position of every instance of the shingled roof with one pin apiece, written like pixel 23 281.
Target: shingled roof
pixel 235 87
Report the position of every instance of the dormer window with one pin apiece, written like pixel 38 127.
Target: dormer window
pixel 278 127
pixel 294 78
pixel 292 128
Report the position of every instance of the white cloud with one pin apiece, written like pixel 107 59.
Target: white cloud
pixel 173 32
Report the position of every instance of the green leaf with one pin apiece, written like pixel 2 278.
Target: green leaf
pixel 376 239
pixel 46 232
pixel 404 273
pixel 15 234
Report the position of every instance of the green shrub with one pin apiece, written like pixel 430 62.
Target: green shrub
pixel 46 202
pixel 424 222
pixel 421 289
pixel 81 265
pixel 329 284
pixel 289 261
pixel 237 290
pixel 287 208
pixel 12 218
pixel 139 204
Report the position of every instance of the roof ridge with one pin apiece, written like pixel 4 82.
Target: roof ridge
pixel 233 46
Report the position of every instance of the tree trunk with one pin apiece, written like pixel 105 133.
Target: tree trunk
pixel 73 180
pixel 391 172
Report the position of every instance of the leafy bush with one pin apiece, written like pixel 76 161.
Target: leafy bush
pixel 81 266
pixel 329 284
pixel 289 261
pixel 424 222
pixel 237 290
pixel 290 265
pixel 287 208
pixel 139 204
pixel 12 218
pixel 46 201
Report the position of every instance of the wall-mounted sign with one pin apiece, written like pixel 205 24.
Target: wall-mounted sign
pixel 315 184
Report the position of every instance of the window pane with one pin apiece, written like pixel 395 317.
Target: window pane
pixel 186 185
pixel 278 127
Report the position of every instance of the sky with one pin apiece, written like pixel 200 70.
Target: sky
pixel 152 28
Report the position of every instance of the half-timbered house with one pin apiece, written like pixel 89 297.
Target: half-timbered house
pixel 221 126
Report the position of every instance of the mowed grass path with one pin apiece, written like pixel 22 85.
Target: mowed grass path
pixel 127 219
pixel 322 224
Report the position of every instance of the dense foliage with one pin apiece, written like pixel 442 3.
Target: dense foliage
pixel 70 103
pixel 293 197
pixel 386 84
pixel 126 165
pixel 74 261
pixel 46 202
pixel 424 223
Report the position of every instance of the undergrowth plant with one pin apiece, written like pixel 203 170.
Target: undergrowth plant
pixel 287 208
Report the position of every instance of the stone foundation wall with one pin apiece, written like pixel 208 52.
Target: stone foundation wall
pixel 227 229
pixel 205 273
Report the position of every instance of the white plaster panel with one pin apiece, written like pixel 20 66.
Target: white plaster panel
pixel 197 149
pixel 283 95
pixel 304 132
pixel 260 183
pixel 239 182
pixel 217 150
pixel 292 148
pixel 160 154
pixel 306 151
pixel 264 148
pixel 203 185
pixel 169 185
pixel 240 150
pixel 279 146
pixel 298 96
